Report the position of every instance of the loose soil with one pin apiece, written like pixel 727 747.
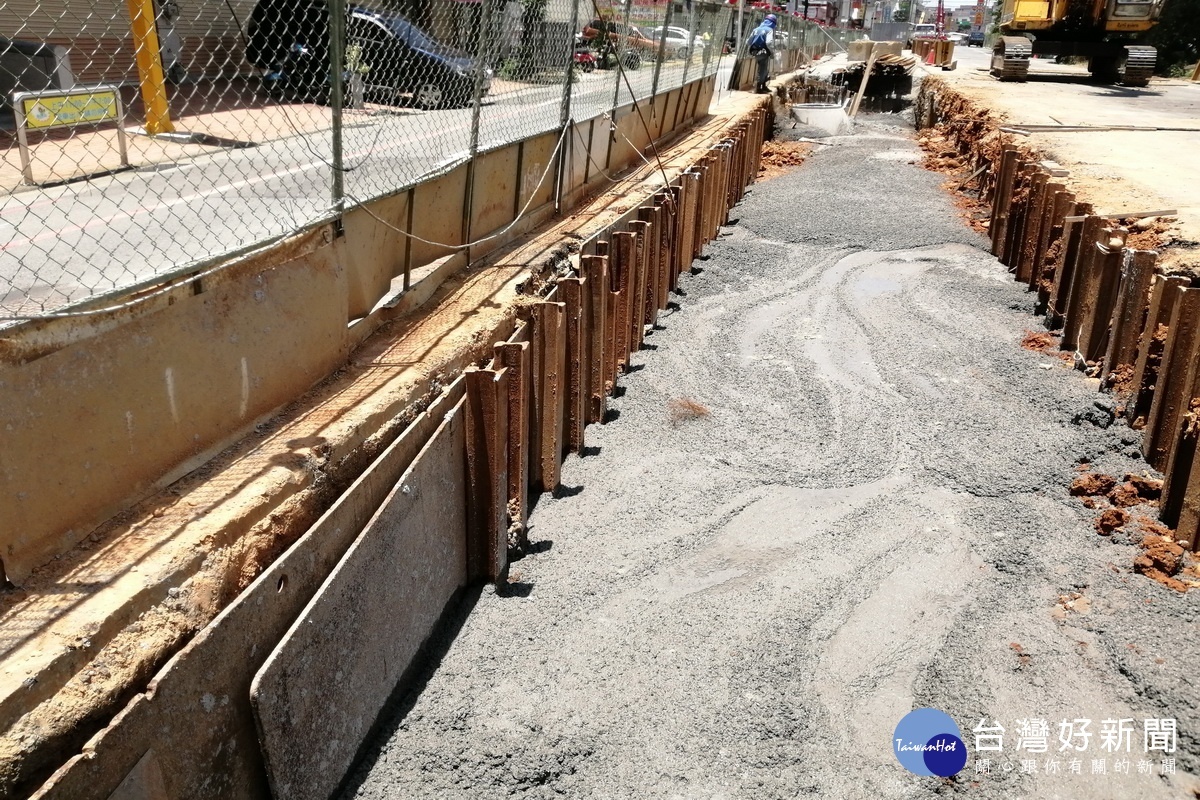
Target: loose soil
pixel 780 157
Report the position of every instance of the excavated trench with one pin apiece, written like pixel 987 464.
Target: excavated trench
pixel 879 499
pixel 1112 295
pixel 842 473
pixel 568 322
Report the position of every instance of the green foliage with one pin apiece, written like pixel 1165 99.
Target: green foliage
pixel 1177 36
pixel 901 12
pixel 354 60
pixel 511 69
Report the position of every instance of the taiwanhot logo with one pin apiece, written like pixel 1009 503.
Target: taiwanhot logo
pixel 927 742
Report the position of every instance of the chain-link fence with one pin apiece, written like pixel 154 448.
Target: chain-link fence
pixel 151 139
pixel 796 42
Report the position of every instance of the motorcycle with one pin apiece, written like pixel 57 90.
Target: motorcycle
pixel 584 58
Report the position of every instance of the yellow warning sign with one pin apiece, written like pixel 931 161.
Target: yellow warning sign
pixel 73 109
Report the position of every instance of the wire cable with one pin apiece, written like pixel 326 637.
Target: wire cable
pixel 550 162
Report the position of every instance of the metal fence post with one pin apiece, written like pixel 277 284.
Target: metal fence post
pixel 149 65
pixel 564 111
pixel 482 53
pixel 662 49
pixel 481 64
pixel 619 71
pixel 691 29
pixel 337 65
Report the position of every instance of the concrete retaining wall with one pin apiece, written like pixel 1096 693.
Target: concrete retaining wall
pixel 98 411
pixel 192 733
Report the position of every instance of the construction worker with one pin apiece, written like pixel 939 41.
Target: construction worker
pixel 759 46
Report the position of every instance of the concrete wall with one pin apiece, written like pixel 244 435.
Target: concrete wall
pixel 192 734
pixel 97 412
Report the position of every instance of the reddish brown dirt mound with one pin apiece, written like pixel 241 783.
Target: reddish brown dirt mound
pixel 1110 520
pixel 942 155
pixel 779 158
pixel 1152 527
pixel 1124 495
pixel 1038 341
pixel 1149 234
pixel 1121 379
pixel 681 409
pixel 1093 483
pixel 1044 342
pixel 1147 488
pixel 1161 560
pixel 1135 490
pixel 1023 658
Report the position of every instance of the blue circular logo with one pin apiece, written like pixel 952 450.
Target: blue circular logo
pixel 927 742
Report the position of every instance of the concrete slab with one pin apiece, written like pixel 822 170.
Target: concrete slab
pixel 319 692
pixel 196 712
pixel 437 215
pixel 495 190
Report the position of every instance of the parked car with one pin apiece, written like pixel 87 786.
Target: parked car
pixel 975 39
pixel 680 43
pixel 402 59
pixel 394 58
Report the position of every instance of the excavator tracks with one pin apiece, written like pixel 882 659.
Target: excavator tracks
pixel 1010 58
pixel 1139 65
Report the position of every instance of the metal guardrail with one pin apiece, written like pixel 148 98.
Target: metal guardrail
pixel 66 108
pixel 254 120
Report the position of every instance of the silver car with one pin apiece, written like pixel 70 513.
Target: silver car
pixel 680 43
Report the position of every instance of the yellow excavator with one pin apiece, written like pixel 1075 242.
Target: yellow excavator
pixel 1103 31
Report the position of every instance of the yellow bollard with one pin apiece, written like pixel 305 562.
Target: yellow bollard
pixel 149 64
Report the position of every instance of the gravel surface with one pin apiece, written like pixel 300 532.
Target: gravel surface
pixel 872 517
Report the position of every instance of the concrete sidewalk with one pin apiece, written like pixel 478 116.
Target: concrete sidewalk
pixel 222 116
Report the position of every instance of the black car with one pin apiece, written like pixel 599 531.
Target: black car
pixel 975 39
pixel 289 39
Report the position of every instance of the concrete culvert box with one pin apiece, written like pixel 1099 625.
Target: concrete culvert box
pixel 828 117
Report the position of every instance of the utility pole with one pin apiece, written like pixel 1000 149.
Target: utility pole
pixel 149 64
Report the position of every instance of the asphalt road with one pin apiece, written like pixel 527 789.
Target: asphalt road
pixel 71 242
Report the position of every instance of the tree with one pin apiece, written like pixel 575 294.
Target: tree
pixel 1177 36
pixel 901 12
